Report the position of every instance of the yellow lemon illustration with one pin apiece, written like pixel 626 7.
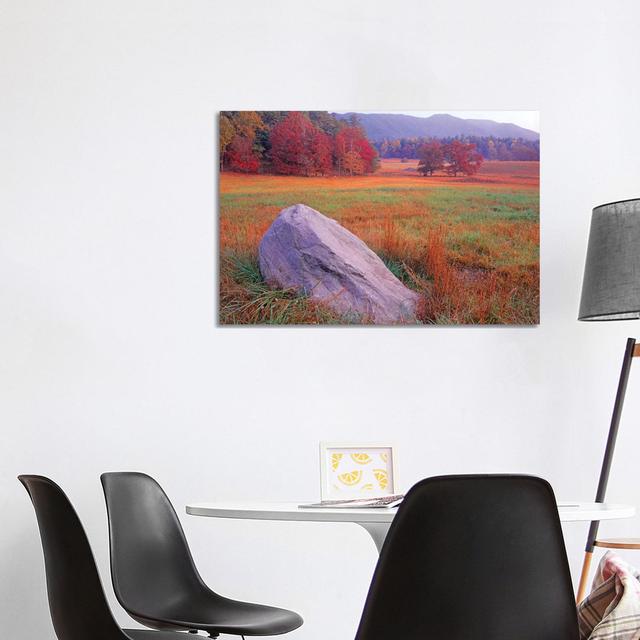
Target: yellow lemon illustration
pixel 384 457
pixel 335 460
pixel 350 478
pixel 361 458
pixel 382 477
pixel 367 487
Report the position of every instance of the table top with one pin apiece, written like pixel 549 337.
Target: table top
pixel 569 512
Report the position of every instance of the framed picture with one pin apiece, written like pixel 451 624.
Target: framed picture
pixel 349 470
pixel 376 218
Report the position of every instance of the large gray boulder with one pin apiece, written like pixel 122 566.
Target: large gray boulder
pixel 306 251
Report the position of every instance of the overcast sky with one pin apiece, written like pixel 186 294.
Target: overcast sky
pixel 527 119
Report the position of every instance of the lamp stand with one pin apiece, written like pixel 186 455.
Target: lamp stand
pixel 632 350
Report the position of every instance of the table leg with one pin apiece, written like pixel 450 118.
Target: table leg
pixel 377 530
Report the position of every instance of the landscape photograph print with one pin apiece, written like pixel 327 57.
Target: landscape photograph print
pixel 388 219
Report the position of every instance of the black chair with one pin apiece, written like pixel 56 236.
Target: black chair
pixel 473 558
pixel 154 576
pixel 78 606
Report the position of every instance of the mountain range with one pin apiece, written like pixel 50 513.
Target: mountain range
pixel 393 126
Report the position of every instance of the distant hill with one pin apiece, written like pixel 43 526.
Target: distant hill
pixel 393 126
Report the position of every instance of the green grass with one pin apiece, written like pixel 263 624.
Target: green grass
pixel 263 305
pixel 398 269
pixel 463 205
pixel 324 201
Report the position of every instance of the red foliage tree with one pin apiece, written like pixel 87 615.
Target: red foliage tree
pixel 461 157
pixel 322 152
pixel 431 157
pixel 298 147
pixel 241 155
pixel 351 140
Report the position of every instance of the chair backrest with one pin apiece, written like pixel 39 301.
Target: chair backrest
pixel 473 558
pixel 151 564
pixel 78 606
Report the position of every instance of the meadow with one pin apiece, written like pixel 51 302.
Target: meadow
pixel 468 245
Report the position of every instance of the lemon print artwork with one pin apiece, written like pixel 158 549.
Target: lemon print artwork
pixel 350 478
pixel 357 471
pixel 382 477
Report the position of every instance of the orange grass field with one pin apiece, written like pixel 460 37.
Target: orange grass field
pixel 469 245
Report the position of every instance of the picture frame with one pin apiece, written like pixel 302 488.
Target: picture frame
pixel 451 235
pixel 351 470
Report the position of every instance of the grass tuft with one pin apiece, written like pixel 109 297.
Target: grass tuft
pixel 246 299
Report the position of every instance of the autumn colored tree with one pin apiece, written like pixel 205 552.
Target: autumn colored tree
pixel 294 143
pixel 350 140
pixel 492 153
pixel 462 157
pixel 227 133
pixel 239 149
pixel 247 123
pixel 368 154
pixel 522 152
pixel 322 153
pixel 352 163
pixel 431 157
pixel 299 148
pixel 241 155
pixel 326 122
pixel 262 143
pixel 503 152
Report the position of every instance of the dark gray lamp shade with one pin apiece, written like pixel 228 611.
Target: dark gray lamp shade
pixel 611 285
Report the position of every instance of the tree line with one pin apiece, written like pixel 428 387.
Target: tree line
pixel 453 157
pixel 302 143
pixel 490 148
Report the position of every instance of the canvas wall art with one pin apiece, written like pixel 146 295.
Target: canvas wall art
pixel 404 218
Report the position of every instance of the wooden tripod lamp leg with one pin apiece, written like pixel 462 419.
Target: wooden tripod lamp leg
pixel 584 576
pixel 629 354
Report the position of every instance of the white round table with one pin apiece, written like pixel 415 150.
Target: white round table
pixel 377 521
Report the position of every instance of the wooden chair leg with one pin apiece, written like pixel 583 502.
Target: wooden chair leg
pixel 584 576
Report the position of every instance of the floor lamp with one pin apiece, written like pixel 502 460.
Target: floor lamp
pixel 611 291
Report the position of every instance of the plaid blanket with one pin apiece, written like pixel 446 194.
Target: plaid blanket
pixel 612 610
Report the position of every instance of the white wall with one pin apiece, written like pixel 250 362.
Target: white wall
pixel 110 357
